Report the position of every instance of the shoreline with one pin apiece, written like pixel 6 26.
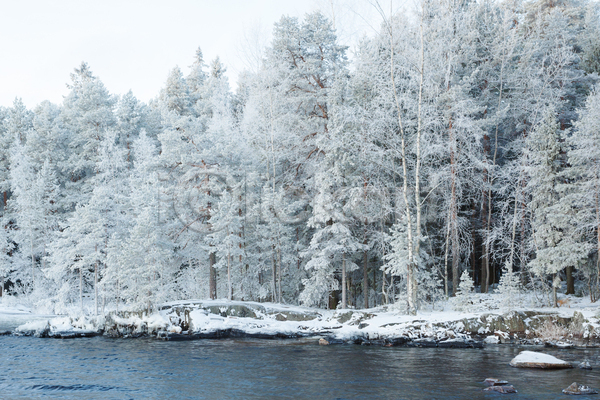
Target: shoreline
pixel 221 319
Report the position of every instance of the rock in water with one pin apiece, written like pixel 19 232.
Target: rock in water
pixel 501 389
pixel 574 388
pixel 495 382
pixel 323 342
pixel 585 365
pixel 533 359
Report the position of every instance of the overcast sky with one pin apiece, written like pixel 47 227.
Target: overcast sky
pixel 133 44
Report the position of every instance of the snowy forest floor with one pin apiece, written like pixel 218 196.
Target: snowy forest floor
pixel 483 321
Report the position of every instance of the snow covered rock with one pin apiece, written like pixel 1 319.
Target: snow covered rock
pixel 495 382
pixel 584 365
pixel 532 359
pixel 505 389
pixel 574 388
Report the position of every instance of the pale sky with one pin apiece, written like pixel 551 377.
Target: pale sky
pixel 133 44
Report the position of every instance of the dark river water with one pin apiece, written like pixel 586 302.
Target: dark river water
pixel 99 368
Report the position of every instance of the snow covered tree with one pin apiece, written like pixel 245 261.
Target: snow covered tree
pixel 584 173
pixel 463 300
pixel 83 244
pixel 87 115
pixel 551 218
pixel 509 288
pixel 15 127
pixel 139 266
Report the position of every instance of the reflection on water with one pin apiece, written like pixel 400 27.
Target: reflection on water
pixel 97 368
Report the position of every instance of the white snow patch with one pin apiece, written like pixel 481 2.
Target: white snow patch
pixel 536 357
pixel 492 339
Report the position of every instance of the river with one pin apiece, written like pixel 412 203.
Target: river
pixel 101 368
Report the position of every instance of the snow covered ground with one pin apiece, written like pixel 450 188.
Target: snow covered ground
pixel 14 316
pixel 577 322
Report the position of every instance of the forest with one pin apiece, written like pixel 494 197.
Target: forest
pixel 459 143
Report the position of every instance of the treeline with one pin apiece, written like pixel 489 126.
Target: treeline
pixel 464 136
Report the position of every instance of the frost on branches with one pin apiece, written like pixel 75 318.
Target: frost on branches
pixel 452 139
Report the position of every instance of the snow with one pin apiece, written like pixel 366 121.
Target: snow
pixel 536 357
pixel 384 323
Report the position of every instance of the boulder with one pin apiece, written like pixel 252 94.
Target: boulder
pixel 574 388
pixel 505 389
pixel 288 315
pixel 323 342
pixel 495 382
pixel 584 365
pixel 533 359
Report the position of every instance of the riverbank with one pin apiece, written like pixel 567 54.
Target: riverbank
pixel 576 325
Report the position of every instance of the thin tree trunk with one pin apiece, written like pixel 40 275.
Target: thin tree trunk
pixel 229 291
pixel 96 282
pixel 485 267
pixel 514 233
pixel 554 296
pixel 279 291
pixel 32 263
pixel 384 294
pixel 446 258
pixel 212 275
pixel 81 289
pixel 413 309
pixel 453 213
pixel 488 221
pixel 96 287
pixel 274 274
pixel 365 278
pixel 343 281
pixel 411 287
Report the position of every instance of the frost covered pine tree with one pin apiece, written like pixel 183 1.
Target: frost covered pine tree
pixel 87 114
pixel 551 218
pixel 140 269
pixel 509 288
pixel 463 301
pixel 83 244
pixel 584 172
pixel 333 243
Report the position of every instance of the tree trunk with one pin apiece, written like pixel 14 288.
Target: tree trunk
pixel 365 279
pixel 212 276
pixel 343 281
pixel 229 290
pixel 81 289
pixel 570 281
pixel 414 284
pixel 384 294
pixel 453 213
pixel 32 264
pixel 274 275
pixel 485 270
pixel 446 248
pixel 96 287
pixel 333 300
pixel 412 247
pixel 96 282
pixel 279 291
pixel 554 297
